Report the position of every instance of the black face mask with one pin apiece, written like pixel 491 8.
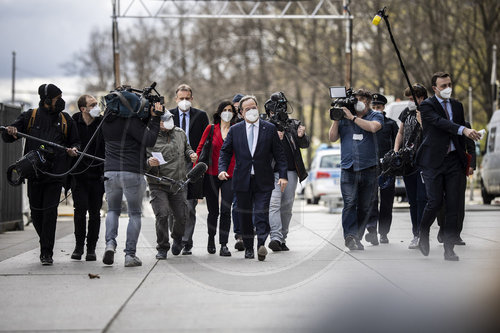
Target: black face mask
pixel 59 105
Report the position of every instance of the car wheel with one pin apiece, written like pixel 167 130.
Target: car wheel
pixel 486 197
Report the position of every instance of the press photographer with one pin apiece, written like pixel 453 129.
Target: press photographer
pixel 356 131
pixel 50 123
pixel 131 124
pixel 293 138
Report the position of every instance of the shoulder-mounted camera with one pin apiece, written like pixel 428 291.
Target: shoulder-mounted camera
pixel 128 102
pixel 277 111
pixel 341 98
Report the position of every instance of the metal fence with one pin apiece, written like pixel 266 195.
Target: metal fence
pixel 11 197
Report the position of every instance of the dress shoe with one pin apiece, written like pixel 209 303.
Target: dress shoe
pixel 284 247
pixel 449 254
pixel 372 238
pixel 77 253
pixel 186 251
pixel 275 245
pixel 249 254
pixel 224 251
pixel 109 255
pixel 350 243
pixel 384 239
pixel 459 241
pixel 91 256
pixel 262 253
pixel 46 260
pixel 423 244
pixel 211 245
pixel 239 245
pixel 440 236
pixel 162 254
pixel 359 245
pixel 176 248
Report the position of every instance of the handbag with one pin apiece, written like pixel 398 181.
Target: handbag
pixel 206 151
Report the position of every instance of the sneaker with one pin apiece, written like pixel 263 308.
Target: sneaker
pixel 262 253
pixel 274 245
pixel 372 238
pixel 384 239
pixel 359 245
pixel 109 255
pixel 187 250
pixel 132 261
pixel 91 256
pixel 414 243
pixel 176 248
pixel 46 260
pixel 284 247
pixel 162 254
pixel 77 253
pixel 350 243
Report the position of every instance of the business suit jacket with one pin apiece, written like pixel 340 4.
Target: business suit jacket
pixel 198 121
pixel 268 147
pixel 438 131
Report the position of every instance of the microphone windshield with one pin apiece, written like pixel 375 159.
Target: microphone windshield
pixel 197 172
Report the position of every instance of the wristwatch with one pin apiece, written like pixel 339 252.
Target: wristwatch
pixel 354 118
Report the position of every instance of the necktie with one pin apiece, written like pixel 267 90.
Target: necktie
pixel 183 125
pixel 250 138
pixel 445 106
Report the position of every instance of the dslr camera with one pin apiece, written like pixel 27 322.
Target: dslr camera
pixel 341 97
pixel 277 111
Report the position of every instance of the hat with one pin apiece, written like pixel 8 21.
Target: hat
pixel 237 98
pixel 48 91
pixel 166 116
pixel 379 99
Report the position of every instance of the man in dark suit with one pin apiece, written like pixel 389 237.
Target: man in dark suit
pixel 443 161
pixel 255 144
pixel 193 121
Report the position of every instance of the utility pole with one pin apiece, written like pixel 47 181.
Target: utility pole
pixel 471 192
pixel 13 76
pixel 494 85
pixel 116 45
pixel 348 38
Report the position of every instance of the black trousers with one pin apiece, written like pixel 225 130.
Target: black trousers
pixel 87 197
pixel 44 199
pixel 443 182
pixel 382 214
pixel 211 186
pixel 442 212
pixel 253 208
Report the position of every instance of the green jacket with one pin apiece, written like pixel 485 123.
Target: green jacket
pixel 175 149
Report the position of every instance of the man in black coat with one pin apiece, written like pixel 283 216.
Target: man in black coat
pixel 50 123
pixel 443 161
pixel 193 121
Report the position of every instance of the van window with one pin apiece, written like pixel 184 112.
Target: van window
pixel 491 140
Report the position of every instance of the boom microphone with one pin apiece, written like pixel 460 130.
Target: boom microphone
pixel 197 172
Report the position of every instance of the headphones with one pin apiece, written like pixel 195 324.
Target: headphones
pixel 47 100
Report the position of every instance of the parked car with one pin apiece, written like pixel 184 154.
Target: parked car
pixel 490 166
pixel 324 175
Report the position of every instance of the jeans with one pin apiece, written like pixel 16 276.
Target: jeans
pixel 211 186
pixel 357 189
pixel 87 197
pixel 133 186
pixel 417 198
pixel 164 203
pixel 280 207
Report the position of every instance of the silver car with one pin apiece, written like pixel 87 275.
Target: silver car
pixel 324 175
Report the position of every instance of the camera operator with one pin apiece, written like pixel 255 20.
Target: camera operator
pixel 293 137
pixel 359 164
pixel 126 139
pixel 47 122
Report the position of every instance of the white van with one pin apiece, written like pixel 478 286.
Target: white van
pixel 490 167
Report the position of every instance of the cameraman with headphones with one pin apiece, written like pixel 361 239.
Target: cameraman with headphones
pixel 293 137
pixel 50 123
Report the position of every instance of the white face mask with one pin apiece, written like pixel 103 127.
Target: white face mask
pixel 360 106
pixel 95 111
pixel 184 105
pixel 252 115
pixel 412 106
pixel 226 116
pixel 446 93
pixel 169 124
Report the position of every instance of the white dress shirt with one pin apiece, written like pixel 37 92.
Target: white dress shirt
pixel 255 138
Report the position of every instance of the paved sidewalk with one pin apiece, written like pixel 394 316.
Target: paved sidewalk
pixel 316 287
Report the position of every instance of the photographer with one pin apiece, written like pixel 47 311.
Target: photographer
pixel 126 139
pixel 46 122
pixel 292 135
pixel 358 162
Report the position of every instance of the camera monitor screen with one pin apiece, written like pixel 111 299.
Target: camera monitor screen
pixel 337 92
